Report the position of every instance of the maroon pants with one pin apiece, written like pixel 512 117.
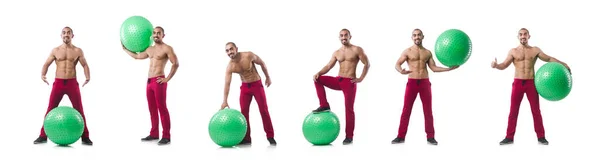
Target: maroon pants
pixel 70 87
pixel 423 88
pixel 256 89
pixel 519 89
pixel 348 88
pixel 157 103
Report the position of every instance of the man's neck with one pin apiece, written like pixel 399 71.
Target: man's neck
pixel 419 46
pixel 521 46
pixel 68 45
pixel 349 45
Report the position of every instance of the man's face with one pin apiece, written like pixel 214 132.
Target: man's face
pixel 157 35
pixel 417 37
pixel 230 50
pixel 67 35
pixel 345 37
pixel 524 36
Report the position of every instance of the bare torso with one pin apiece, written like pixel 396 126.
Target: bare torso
pixel 524 61
pixel 158 59
pixel 348 59
pixel 66 59
pixel 245 67
pixel 417 59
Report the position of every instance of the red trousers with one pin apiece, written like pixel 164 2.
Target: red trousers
pixel 520 87
pixel 256 90
pixel 348 88
pixel 70 87
pixel 157 103
pixel 423 88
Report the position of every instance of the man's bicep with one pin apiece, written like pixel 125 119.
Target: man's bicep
pixel 543 56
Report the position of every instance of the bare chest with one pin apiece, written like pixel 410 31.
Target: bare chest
pixel 346 55
pixel 241 66
pixel 418 56
pixel 66 55
pixel 157 53
pixel 525 54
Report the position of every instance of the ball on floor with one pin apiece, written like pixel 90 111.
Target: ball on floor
pixel 321 128
pixel 63 125
pixel 227 127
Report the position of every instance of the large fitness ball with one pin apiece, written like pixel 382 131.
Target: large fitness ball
pixel 453 47
pixel 136 33
pixel 227 127
pixel 321 128
pixel 553 81
pixel 63 125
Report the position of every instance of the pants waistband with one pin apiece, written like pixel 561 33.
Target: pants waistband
pixel 252 84
pixel 419 81
pixel 155 78
pixel 65 81
pixel 524 81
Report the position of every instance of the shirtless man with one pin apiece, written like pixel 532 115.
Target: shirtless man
pixel 156 89
pixel 66 57
pixel 348 56
pixel 418 59
pixel 523 57
pixel 244 64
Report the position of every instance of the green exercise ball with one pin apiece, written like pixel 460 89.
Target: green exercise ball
pixel 553 81
pixel 63 125
pixel 136 33
pixel 453 48
pixel 227 127
pixel 321 128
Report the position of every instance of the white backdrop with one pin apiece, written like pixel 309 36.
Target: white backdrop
pixel 296 39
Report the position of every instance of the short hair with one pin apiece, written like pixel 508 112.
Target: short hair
pixel 524 29
pixel 231 44
pixel 345 29
pixel 69 28
pixel 161 28
pixel 417 29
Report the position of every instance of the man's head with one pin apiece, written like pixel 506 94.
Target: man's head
pixel 158 34
pixel 231 49
pixel 345 36
pixel 67 35
pixel 417 36
pixel 524 36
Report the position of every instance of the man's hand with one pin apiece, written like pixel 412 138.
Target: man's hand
pixel 86 81
pixel 568 68
pixel 316 77
pixel 454 67
pixel 404 71
pixel 162 80
pixel 495 63
pixel 224 105
pixel 268 82
pixel 357 80
pixel 44 79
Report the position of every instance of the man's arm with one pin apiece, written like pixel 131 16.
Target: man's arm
pixel 434 67
pixel 365 61
pixel 228 75
pixel 546 58
pixel 329 65
pixel 47 64
pixel 84 64
pixel 174 62
pixel 504 64
pixel 257 60
pixel 141 55
pixel 401 60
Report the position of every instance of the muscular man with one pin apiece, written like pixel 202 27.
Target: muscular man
pixel 348 56
pixel 244 64
pixel 66 57
pixel 156 89
pixel 523 57
pixel 418 59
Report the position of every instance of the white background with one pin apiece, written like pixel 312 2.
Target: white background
pixel 296 39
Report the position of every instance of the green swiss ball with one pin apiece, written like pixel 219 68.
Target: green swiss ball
pixel 321 128
pixel 453 48
pixel 136 33
pixel 227 127
pixel 63 125
pixel 553 81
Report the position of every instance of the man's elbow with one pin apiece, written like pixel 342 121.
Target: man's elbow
pixel 176 64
